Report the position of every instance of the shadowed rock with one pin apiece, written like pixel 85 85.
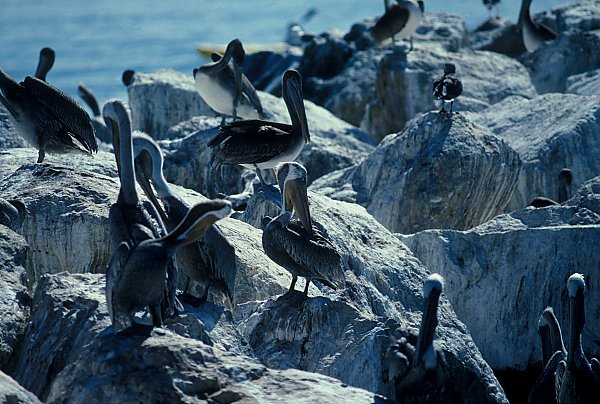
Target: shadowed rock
pixel 498 35
pixel 8 135
pixel 587 83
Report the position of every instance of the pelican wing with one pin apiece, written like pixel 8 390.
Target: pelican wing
pixel 390 23
pixel 219 255
pixel 116 264
pixel 65 109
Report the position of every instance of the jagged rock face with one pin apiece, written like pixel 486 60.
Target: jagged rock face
pixel 501 275
pixel 498 35
pixel 571 53
pixel 345 333
pixel 12 393
pixel 162 99
pixel 550 132
pixel 582 15
pixel 448 30
pixel 334 144
pixel 8 136
pixel 587 83
pixel 15 301
pixel 404 84
pixel 442 171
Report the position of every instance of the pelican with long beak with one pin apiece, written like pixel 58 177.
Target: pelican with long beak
pixel 98 123
pixel 534 34
pixel 45 63
pixel 210 260
pixel 257 144
pixel 298 246
pixel 138 273
pixel 576 382
pixel 226 89
pixel 46 117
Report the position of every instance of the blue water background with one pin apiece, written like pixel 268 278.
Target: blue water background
pixel 96 40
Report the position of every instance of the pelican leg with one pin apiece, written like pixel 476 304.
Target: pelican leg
pixel 204 296
pixel 41 154
pixel 156 316
pixel 222 120
pixel 451 103
pixel 294 279
pixel 443 109
pixel 411 44
pixel 305 292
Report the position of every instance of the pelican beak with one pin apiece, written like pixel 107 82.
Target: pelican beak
pixel 116 140
pixel 237 74
pixel 296 198
pixel 294 89
pixel 428 326
pixel 143 173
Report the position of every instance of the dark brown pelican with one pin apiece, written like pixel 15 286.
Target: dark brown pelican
pixel 225 89
pixel 46 117
pixel 137 273
pixel 565 179
pixel 102 131
pixel 298 246
pixel 262 144
pixel 45 63
pixel 534 34
pixel 210 260
pixel 448 86
pixel 576 381
pixel 12 213
pixel 400 19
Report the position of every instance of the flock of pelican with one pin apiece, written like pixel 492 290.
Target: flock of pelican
pixel 153 242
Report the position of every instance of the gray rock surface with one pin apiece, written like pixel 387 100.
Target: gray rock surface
pixel 440 172
pixel 446 29
pixel 15 301
pixel 12 393
pixel 501 275
pixel 161 99
pixel 549 132
pixel 582 15
pixel 587 83
pixel 8 135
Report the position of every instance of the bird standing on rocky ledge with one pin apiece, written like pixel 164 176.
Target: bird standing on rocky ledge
pixel 448 86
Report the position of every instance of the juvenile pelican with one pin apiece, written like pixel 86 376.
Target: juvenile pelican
pixel 226 89
pixel 448 86
pixel 138 273
pixel 262 144
pixel 210 260
pixel 12 213
pixel 298 247
pixel 102 131
pixel 400 19
pixel 45 63
pixel 46 117
pixel 534 34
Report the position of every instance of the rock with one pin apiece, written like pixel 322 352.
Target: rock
pixel 162 99
pixel 446 29
pixel 571 53
pixel 15 301
pixel 345 333
pixel 587 83
pixel 498 35
pixel 334 145
pixel 581 15
pixel 549 132
pixel 439 172
pixel 502 274
pixel 12 393
pixel 325 56
pixel 265 69
pixel 8 136
pixel 403 87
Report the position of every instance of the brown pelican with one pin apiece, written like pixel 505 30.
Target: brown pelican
pixel 576 381
pixel 447 87
pixel 102 131
pixel 45 63
pixel 12 213
pixel 209 260
pixel 226 89
pixel 137 273
pixel 298 246
pixel 565 178
pixel 129 220
pixel 262 144
pixel 46 117
pixel 400 19
pixel 534 34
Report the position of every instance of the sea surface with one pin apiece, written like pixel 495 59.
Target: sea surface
pixel 96 40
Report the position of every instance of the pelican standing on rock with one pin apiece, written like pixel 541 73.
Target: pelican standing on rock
pixel 46 117
pixel 447 87
pixel 138 273
pixel 400 19
pixel 226 89
pixel 210 260
pixel 298 246
pixel 258 144
pixel 45 63
pixel 102 131
pixel 534 34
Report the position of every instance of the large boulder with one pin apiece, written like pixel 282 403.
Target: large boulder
pixel 442 171
pixel 501 275
pixel 587 83
pixel 12 393
pixel 15 301
pixel 581 15
pixel 550 132
pixel 8 136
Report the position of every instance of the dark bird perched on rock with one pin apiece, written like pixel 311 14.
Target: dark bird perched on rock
pixel 565 179
pixel 448 86
pixel 45 63
pixel 258 144
pixel 46 117
pixel 137 273
pixel 210 260
pixel 102 131
pixel 298 246
pixel 12 213
pixel 128 77
pixel 534 34
pixel 400 19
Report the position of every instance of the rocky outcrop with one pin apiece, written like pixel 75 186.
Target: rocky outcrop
pixel 15 301
pixel 550 132
pixel 498 35
pixel 442 171
pixel 501 275
pixel 334 144
pixel 12 393
pixel 580 15
pixel 445 29
pixel 162 99
pixel 587 83
pixel 8 136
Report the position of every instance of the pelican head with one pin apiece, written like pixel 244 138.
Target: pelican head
pixel 128 77
pixel 425 352
pixel 198 220
pixel 449 68
pixel 292 95
pixel 45 63
pixel 576 288
pixel 292 183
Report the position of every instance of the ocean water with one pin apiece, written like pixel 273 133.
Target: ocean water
pixel 96 41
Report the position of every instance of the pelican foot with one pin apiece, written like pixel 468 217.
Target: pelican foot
pixel 137 329
pixel 293 298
